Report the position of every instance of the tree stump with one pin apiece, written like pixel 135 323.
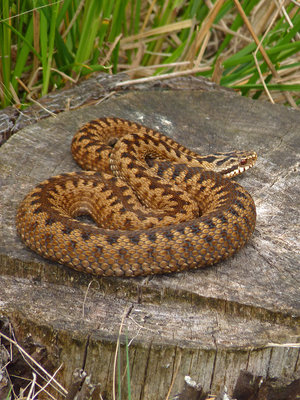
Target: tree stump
pixel 209 324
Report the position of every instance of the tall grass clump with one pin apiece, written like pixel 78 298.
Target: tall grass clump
pixel 250 45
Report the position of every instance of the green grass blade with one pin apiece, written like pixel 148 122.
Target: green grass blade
pixel 282 87
pixel 90 26
pixel 23 53
pixel 44 40
pixel 128 367
pixel 118 19
pixel 5 53
pixel 47 70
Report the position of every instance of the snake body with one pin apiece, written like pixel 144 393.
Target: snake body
pixel 158 206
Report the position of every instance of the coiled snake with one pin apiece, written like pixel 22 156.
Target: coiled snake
pixel 158 206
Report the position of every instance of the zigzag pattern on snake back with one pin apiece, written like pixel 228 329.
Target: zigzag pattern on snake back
pixel 158 206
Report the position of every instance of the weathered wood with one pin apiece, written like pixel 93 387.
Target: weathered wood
pixel 191 391
pixel 209 324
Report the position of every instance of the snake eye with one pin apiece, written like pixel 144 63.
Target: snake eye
pixel 243 161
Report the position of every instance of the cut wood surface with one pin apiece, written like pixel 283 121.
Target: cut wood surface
pixel 210 324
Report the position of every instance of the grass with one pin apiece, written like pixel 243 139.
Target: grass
pixel 31 388
pixel 252 46
pixel 44 385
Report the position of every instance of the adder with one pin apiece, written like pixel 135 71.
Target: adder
pixel 158 207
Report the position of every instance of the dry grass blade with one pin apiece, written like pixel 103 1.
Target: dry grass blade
pixel 257 41
pixel 125 313
pixel 262 79
pixel 166 29
pixel 161 77
pixel 205 27
pixel 44 374
pixel 75 16
pixel 174 377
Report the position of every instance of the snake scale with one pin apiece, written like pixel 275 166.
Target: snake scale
pixel 158 207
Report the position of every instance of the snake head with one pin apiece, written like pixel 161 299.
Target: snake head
pixel 234 163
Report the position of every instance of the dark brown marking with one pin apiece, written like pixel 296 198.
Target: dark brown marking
pixel 223 219
pixel 111 239
pixel 169 235
pixel 33 225
pixel 152 237
pixel 49 221
pixel 176 171
pixel 190 174
pixel 233 212
pixel 90 144
pixel 36 201
pixel 99 250
pixel 85 235
pixel 114 203
pixel 195 229
pixel 123 252
pixel 211 224
pixel 84 137
pixel 246 219
pixel 67 230
pixel 223 160
pixel 208 238
pixel 38 210
pixel 209 159
pixel 241 194
pixel 135 239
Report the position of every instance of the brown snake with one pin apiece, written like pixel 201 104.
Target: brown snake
pixel 158 206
